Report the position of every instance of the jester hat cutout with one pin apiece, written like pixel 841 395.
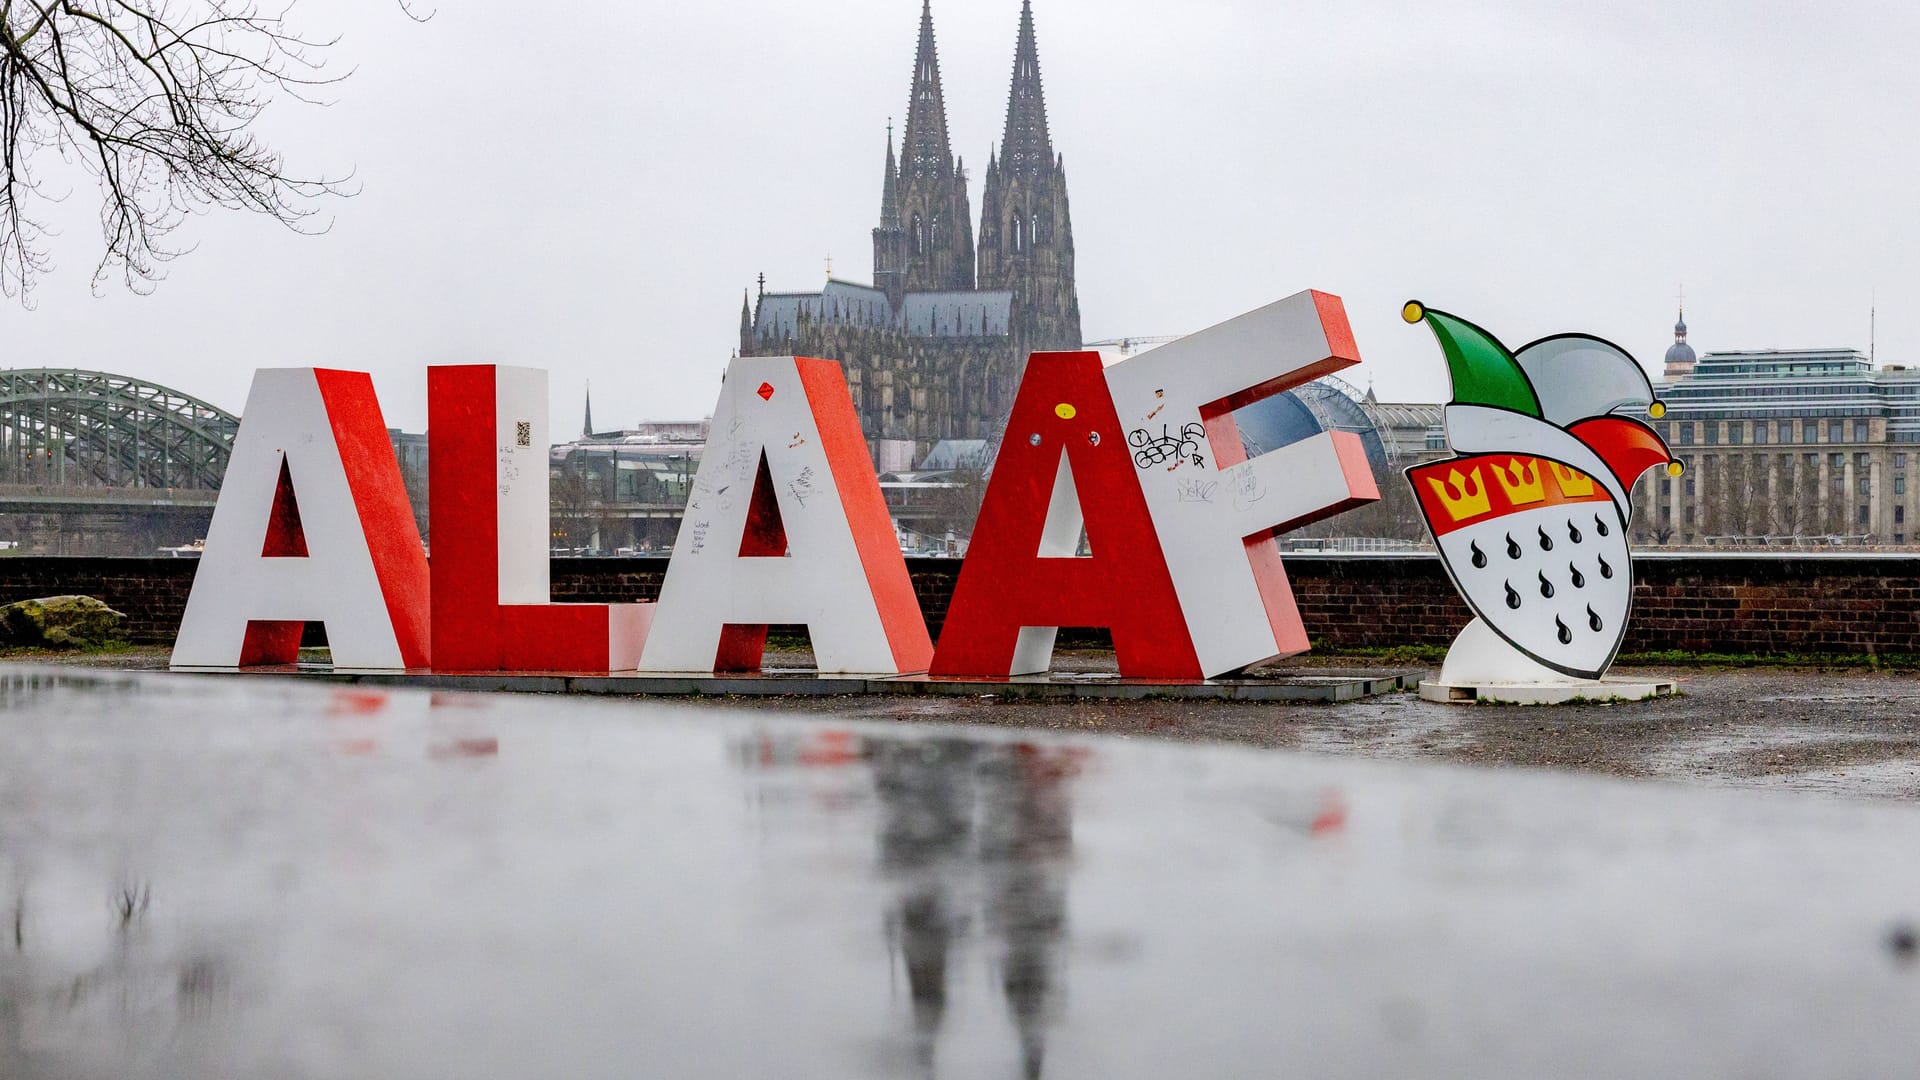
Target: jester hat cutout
pixel 1576 382
pixel 1531 516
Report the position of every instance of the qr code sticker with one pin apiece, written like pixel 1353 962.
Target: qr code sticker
pixel 523 433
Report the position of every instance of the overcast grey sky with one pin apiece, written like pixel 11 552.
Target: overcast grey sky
pixel 588 188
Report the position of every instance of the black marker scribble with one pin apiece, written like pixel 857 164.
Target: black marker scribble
pixel 1167 447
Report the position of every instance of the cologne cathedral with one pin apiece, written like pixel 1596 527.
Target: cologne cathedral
pixel 934 348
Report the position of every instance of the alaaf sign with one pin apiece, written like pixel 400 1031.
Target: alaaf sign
pixel 785 523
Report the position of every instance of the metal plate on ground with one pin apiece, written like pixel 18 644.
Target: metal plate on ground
pixel 1309 685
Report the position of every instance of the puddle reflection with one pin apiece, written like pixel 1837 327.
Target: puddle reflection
pixel 975 843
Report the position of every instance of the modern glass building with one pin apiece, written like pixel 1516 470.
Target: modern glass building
pixel 1783 447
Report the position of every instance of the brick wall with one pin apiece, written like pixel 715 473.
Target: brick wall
pixel 150 592
pixel 1843 604
pixel 1759 604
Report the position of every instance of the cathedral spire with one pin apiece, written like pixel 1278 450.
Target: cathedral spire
pixel 1026 233
pixel 890 239
pixel 586 429
pixel 924 151
pixel 890 188
pixel 935 220
pixel 1026 148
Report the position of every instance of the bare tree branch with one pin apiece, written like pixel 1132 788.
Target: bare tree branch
pixel 156 101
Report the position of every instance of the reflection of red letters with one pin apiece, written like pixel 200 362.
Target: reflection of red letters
pixel 312 442
pixel 1020 581
pixel 487 480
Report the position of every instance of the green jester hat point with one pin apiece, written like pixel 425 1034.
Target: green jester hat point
pixel 1484 372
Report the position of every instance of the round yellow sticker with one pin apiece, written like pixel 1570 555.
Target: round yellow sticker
pixel 1065 411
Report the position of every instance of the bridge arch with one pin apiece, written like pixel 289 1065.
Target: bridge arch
pixel 75 428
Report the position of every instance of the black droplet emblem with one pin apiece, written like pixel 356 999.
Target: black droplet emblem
pixel 1513 598
pixel 1605 570
pixel 1513 549
pixel 1546 542
pixel 1593 619
pixel 1599 525
pixel 1573 531
pixel 1566 635
pixel 1579 579
pixel 1479 557
pixel 1546 587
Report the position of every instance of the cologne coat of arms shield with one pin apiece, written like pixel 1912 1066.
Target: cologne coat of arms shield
pixel 1532 514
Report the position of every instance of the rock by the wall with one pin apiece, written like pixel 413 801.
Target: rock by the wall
pixel 60 622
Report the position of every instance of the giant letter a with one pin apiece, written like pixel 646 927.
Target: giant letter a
pixel 1022 582
pixel 309 441
pixel 786 524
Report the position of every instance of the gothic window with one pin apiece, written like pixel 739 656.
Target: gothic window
pixel 919 240
pixel 938 234
pixel 1042 225
pixel 1019 232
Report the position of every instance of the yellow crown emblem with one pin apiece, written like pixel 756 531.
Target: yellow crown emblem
pixel 1521 481
pixel 1463 496
pixel 1573 483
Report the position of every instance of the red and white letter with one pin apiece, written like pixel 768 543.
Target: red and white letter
pixel 1217 512
pixel 312 525
pixel 786 525
pixel 1022 582
pixel 492 580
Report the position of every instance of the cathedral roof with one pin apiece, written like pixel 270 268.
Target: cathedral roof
pixel 956 313
pixel 948 455
pixel 959 313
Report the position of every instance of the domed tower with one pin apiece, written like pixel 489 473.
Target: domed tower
pixel 1680 358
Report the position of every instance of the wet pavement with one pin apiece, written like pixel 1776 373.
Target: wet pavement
pixel 207 877
pixel 1847 732
pixel 1853 733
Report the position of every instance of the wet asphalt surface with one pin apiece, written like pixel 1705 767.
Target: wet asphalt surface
pixel 271 878
pixel 1850 732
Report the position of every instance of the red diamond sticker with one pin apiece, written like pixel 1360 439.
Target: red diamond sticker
pixel 766 391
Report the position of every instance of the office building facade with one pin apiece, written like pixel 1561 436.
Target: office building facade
pixel 1783 448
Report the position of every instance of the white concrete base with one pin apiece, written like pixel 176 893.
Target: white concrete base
pixel 1545 693
pixel 1482 667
